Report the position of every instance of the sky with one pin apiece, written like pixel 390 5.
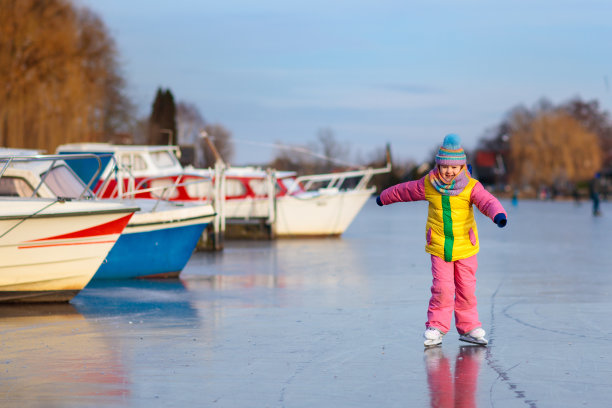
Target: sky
pixel 373 72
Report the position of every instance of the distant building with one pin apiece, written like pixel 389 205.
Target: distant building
pixel 490 167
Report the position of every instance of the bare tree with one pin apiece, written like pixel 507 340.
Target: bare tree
pixel 596 121
pixel 294 158
pixel 189 123
pixel 551 148
pixel 322 156
pixel 59 73
pixel 331 149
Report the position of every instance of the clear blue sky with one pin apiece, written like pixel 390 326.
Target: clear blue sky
pixel 404 72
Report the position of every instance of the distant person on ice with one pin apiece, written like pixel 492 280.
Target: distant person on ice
pixel 595 190
pixel 452 239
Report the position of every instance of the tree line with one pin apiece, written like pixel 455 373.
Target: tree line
pixel 554 146
pixel 60 76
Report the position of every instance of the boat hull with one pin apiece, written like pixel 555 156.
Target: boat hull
pixel 320 215
pixel 51 255
pixel 138 255
pixel 37 296
pixel 156 244
pixel 315 215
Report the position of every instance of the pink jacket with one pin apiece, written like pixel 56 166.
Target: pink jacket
pixel 415 191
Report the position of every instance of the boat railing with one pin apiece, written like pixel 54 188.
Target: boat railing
pixel 54 159
pixel 336 181
pixel 168 190
pixel 120 172
pixel 171 188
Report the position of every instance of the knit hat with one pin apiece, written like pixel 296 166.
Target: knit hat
pixel 451 153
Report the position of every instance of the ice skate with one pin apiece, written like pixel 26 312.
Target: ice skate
pixel 475 336
pixel 433 337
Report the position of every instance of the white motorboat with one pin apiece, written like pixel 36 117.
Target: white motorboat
pixel 50 248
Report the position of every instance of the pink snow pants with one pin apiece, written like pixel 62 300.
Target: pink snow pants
pixel 453 288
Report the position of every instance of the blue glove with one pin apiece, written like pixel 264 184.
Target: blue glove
pixel 378 201
pixel 469 166
pixel 501 220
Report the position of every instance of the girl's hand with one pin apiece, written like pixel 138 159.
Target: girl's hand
pixel 378 201
pixel 501 220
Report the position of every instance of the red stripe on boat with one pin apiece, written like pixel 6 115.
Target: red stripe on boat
pixel 64 244
pixel 112 227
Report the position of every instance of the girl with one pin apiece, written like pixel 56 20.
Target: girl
pixel 452 239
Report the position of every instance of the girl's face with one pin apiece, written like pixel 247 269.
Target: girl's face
pixel 448 173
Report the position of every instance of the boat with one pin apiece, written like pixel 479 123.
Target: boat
pixel 311 205
pixel 51 247
pixel 157 241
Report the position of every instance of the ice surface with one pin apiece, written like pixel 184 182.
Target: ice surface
pixel 335 323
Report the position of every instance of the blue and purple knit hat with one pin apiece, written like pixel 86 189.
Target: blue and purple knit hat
pixel 451 153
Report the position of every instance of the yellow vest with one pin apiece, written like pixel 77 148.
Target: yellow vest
pixel 451 228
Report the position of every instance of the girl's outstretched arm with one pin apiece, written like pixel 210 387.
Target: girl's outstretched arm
pixel 408 191
pixel 488 205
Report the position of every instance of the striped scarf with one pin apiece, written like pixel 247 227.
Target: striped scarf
pixel 455 187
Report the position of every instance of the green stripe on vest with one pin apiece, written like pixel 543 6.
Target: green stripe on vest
pixel 449 238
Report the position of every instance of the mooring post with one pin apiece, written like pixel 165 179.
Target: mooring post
pixel 271 189
pixel 219 222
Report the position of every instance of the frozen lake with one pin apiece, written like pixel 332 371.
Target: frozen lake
pixel 334 323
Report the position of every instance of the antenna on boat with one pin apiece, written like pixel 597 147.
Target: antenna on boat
pixel 388 156
pixel 211 146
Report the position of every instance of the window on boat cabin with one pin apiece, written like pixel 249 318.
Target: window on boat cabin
pixel 163 159
pixel 258 186
pixel 64 183
pixel 234 188
pixel 15 187
pixel 133 161
pixel 199 189
pixel 139 163
pixel 162 187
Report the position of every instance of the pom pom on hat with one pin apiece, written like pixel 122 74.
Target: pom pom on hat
pixel 452 141
pixel 451 153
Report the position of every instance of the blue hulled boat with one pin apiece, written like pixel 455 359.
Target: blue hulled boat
pixel 156 243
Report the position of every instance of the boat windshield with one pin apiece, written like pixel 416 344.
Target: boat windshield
pixel 63 183
pixel 164 159
pixel 15 187
pixel 291 184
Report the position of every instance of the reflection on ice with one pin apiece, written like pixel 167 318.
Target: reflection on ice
pixel 51 354
pixel 280 273
pixel 447 388
pixel 222 282
pixel 166 297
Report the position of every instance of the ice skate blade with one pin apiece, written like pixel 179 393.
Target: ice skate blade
pixel 473 340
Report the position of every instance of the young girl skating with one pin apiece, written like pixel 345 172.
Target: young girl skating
pixel 452 239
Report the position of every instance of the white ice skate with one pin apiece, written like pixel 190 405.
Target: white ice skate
pixel 476 336
pixel 433 337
